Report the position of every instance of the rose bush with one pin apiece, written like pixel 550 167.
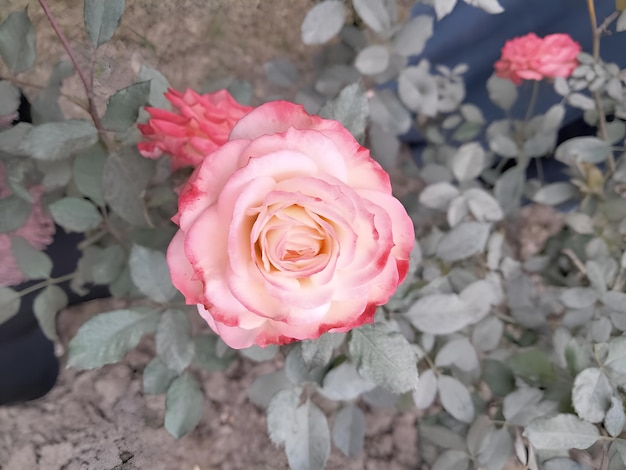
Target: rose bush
pixel 199 126
pixel 288 231
pixel 532 58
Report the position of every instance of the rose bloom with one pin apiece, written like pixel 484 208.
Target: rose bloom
pixel 38 231
pixel 199 126
pixel 532 58
pixel 288 231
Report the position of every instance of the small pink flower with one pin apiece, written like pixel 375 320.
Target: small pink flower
pixel 38 231
pixel 200 124
pixel 288 231
pixel 532 58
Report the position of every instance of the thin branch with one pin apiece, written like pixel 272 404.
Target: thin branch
pixel 93 111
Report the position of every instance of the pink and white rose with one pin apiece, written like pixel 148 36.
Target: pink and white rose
pixel 287 231
pixel 199 125
pixel 532 58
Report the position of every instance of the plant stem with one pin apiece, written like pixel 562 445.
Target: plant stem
pixel 87 84
pixel 532 102
pixel 46 283
pixel 596 32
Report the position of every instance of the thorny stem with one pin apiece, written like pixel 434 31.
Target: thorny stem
pixel 87 84
pixel 596 34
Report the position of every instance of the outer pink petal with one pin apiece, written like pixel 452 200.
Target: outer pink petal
pixel 181 271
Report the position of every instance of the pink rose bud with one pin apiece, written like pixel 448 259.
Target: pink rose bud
pixel 199 126
pixel 532 58
pixel 38 231
pixel 288 231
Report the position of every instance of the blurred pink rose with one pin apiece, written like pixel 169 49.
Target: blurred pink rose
pixel 532 58
pixel 199 126
pixel 38 231
pixel 288 231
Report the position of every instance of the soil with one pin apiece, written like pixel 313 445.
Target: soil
pixel 100 419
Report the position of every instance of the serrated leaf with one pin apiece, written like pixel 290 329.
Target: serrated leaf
pixel 458 352
pixel 533 364
pixel 158 86
pixel 15 211
pixel 55 174
pixel 322 22
pixel 259 354
pixel 281 415
pixel 563 431
pixel 108 264
pixel 151 274
pixel 75 215
pixel 583 149
pixel 9 303
pixel 498 377
pixel 105 338
pixel 318 352
pixel 157 378
pixel 33 263
pixel 426 391
pixel 308 447
pixel 183 405
pixel 455 398
pixel 483 205
pixel 17 42
pixel 173 341
pixel 497 450
pixel 385 357
pixel 45 106
pixel 487 334
pixel 372 60
pixel 591 394
pixel 343 383
pixel 519 407
pixel 124 177
pixel 463 241
pixel 263 389
pixel 205 347
pixel 451 460
pixel 555 193
pixel 502 92
pixel 411 39
pixel 438 195
pixel 468 161
pixel 442 437
pixel 615 418
pixel 440 314
pixel 123 107
pixel 373 13
pixel 350 108
pixel 101 19
pixel 58 140
pixel 87 171
pixel 349 430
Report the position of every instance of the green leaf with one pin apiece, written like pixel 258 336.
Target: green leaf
pixel 555 193
pixel 10 139
pixel 411 39
pixel 17 42
pixel 9 104
pixel 158 86
pixel 502 92
pixel 101 19
pixel 389 113
pixel 463 241
pixel 349 108
pixel 157 378
pixel 451 460
pixel 264 387
pixel 372 60
pixel 124 177
pixel 259 354
pixel 58 140
pixel 583 149
pixel 440 314
pixel 56 174
pixel 563 431
pixel 75 215
pixel 591 395
pixel 578 297
pixel 15 211
pixel 384 357
pixel 318 352
pixel 615 418
pixel 343 383
pixel 616 357
pixel 349 430
pixel 458 352
pixel 45 106
pixel 48 303
pixel 150 273
pixel 308 446
pixel 418 90
pixel 33 263
pixel 281 72
pixel 88 169
pixel 107 337
pixel 498 377
pixel 455 398
pixel 9 303
pixel 374 14
pixel 442 437
pixel 533 365
pixel 173 341
pixel 322 22
pixel 281 413
pixel 468 162
pixel 483 205
pixel 490 6
pixel 438 195
pixel 205 347
pixel 426 390
pixel 183 405
pixel 108 264
pixel 444 7
pixel 523 405
pixel 123 107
